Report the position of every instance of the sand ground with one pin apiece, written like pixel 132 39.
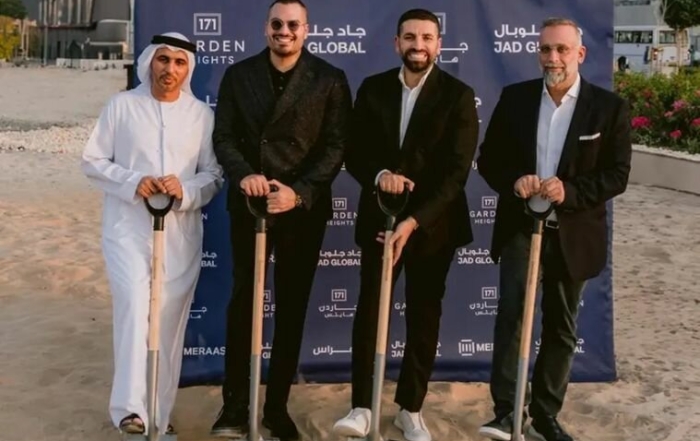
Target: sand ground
pixel 55 317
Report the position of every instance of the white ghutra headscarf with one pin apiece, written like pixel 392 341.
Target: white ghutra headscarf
pixel 173 41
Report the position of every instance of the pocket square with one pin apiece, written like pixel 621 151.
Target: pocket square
pixel 588 137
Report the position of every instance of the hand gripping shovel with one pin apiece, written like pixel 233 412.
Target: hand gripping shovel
pixel 392 205
pixel 258 208
pixel 528 316
pixel 154 324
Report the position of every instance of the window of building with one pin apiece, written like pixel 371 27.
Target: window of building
pixel 634 37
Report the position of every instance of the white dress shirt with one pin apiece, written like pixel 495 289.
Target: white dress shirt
pixel 552 127
pixel 408 102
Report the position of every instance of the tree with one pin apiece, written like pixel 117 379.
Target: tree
pixel 680 15
pixel 13 9
pixel 9 38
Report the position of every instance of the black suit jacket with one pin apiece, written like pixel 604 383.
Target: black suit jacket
pixel 437 154
pixel 592 170
pixel 298 139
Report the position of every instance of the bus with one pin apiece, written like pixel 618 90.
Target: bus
pixel 650 48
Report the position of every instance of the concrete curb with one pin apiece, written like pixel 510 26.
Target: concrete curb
pixel 663 168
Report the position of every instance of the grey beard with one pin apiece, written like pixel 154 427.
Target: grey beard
pixel 554 78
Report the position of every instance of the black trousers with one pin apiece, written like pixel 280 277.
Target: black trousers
pixel 425 289
pixel 296 238
pixel 560 301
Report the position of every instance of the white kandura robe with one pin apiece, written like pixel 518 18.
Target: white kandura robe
pixel 138 136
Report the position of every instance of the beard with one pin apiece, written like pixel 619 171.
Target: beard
pixel 553 78
pixel 283 51
pixel 416 66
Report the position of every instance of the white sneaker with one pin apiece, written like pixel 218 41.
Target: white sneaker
pixel 354 424
pixel 412 425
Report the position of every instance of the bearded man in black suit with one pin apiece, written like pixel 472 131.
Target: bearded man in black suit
pixel 413 126
pixel 563 141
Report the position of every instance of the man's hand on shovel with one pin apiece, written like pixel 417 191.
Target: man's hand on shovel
pixel 400 236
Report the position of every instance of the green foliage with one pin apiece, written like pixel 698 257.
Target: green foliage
pixel 681 14
pixel 9 37
pixel 13 9
pixel 665 110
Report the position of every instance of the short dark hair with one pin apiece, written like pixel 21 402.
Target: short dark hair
pixel 288 2
pixel 417 14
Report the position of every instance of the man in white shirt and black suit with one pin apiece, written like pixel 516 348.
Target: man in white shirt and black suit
pixel 564 141
pixel 417 126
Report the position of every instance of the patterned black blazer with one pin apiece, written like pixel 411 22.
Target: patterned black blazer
pixel 298 138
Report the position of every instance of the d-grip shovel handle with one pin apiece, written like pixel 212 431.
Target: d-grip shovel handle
pixel 392 204
pixel 538 215
pixel 159 213
pixel 257 205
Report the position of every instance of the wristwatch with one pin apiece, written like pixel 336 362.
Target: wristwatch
pixel 298 201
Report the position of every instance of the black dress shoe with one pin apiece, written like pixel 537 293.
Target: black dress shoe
pixel 501 427
pixel 281 425
pixel 231 423
pixel 548 428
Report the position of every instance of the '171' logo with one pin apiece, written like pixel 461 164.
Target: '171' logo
pixel 207 23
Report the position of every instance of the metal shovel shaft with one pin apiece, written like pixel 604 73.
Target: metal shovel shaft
pixel 526 331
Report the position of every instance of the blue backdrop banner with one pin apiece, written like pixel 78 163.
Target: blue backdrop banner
pixel 487 44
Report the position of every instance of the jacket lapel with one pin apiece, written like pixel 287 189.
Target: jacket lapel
pixel 392 113
pixel 530 119
pixel 301 79
pixel 578 122
pixel 426 102
pixel 259 84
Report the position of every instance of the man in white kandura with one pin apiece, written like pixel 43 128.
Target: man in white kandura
pixel 153 139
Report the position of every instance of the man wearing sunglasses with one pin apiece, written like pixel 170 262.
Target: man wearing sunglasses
pixel 563 141
pixel 281 121
pixel 415 126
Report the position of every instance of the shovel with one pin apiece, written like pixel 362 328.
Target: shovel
pixel 392 205
pixel 528 316
pixel 258 208
pixel 154 325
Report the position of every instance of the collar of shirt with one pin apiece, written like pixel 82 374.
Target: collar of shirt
pixel 280 79
pixel 408 101
pixel 402 72
pixel 552 128
pixel 571 93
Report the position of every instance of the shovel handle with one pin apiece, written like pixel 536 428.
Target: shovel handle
pixel 159 213
pixel 392 204
pixel 538 215
pixel 257 205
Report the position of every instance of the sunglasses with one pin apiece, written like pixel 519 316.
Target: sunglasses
pixel 276 24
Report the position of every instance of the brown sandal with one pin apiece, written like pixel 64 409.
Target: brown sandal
pixel 132 424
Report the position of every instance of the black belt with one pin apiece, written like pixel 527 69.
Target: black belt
pixel 548 224
pixel 552 224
